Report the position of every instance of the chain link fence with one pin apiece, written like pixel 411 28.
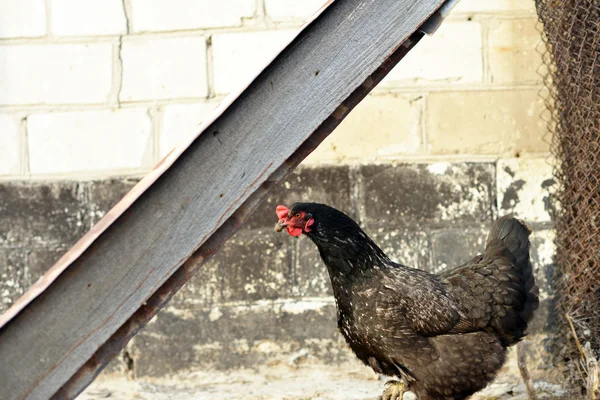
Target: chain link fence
pixel 571 72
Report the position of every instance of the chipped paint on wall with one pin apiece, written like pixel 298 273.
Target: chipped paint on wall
pixel 525 187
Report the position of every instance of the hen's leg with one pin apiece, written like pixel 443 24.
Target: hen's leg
pixel 394 390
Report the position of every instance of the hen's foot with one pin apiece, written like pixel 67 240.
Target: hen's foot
pixel 394 390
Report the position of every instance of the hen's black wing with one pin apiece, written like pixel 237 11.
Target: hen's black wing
pixel 493 291
pixel 497 289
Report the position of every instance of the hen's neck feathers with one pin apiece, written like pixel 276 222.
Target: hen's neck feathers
pixel 347 251
pixel 351 256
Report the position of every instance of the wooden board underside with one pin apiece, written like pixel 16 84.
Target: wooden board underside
pixel 44 345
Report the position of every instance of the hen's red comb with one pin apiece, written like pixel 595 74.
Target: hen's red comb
pixel 282 212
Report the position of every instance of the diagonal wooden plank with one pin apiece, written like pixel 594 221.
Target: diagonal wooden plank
pixel 252 145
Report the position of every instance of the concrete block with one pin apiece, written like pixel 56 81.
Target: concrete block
pixel 13 276
pixel 513 54
pixel 102 140
pixel 380 127
pixel 238 336
pixel 451 56
pixel 39 261
pixel 174 15
pixel 104 194
pixel 166 68
pixel 56 73
pixel 182 122
pixel 427 195
pixel 494 6
pixel 286 10
pixel 543 251
pixel 454 247
pixel 329 185
pixel 252 265
pixel 240 56
pixel 42 214
pixel 490 122
pixel 525 187
pixel 10 145
pixel 405 246
pixel 310 277
pixel 22 267
pixel 22 18
pixel 88 17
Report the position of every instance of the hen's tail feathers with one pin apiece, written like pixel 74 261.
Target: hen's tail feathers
pixel 513 234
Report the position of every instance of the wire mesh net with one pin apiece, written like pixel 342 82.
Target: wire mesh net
pixel 571 31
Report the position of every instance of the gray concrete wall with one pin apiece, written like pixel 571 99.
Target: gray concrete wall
pixel 265 298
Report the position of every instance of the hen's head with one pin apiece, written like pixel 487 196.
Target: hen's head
pixel 313 219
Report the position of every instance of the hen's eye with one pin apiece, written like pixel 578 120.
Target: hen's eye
pixel 298 215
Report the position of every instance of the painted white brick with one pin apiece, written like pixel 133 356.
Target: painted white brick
pixel 89 141
pixel 453 55
pixel 182 122
pixel 513 50
pixel 55 73
pixel 240 56
pixel 22 18
pixel 9 145
pixel 490 6
pixel 380 127
pixel 88 17
pixel 171 15
pixel 524 187
pixel 282 10
pixel 164 68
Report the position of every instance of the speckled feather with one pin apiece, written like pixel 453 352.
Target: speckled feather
pixel 445 335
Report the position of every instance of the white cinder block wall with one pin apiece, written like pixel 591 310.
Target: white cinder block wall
pixel 94 88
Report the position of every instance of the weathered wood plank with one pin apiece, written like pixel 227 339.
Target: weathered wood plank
pixel 55 335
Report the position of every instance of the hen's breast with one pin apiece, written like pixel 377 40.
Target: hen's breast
pixel 359 323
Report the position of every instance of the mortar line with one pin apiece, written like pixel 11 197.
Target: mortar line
pixel 117 85
pixel 127 12
pixel 260 26
pixel 485 51
pixel 352 163
pixel 155 115
pixel 423 122
pixel 267 22
pixel 356 192
pixel 118 63
pixel 293 260
pixel 425 91
pixel 495 203
pixel 179 33
pixel 210 73
pixel 261 14
pixel 261 9
pixel 47 8
pixel 24 164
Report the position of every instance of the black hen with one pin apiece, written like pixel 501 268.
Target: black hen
pixel 445 336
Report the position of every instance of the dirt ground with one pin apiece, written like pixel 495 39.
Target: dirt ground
pixel 309 382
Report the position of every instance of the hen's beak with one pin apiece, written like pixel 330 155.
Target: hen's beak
pixel 281 225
